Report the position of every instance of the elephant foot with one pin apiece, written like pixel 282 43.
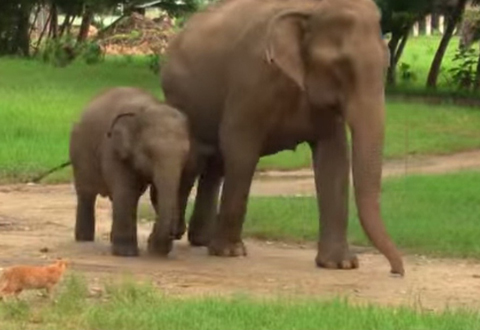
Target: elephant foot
pixel 125 249
pixel 336 256
pixel 198 239
pixel 159 247
pixel 180 231
pixel 223 248
pixel 84 237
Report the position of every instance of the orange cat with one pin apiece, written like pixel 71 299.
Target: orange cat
pixel 15 279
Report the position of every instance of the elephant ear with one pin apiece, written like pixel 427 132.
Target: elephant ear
pixel 284 44
pixel 121 134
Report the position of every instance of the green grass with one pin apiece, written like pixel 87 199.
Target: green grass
pixel 38 104
pixel 132 305
pixel 411 129
pixel 435 215
pixel 419 53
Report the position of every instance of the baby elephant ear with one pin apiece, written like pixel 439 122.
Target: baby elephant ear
pixel 121 133
pixel 284 44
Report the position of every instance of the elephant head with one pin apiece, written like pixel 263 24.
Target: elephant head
pixel 336 56
pixel 155 143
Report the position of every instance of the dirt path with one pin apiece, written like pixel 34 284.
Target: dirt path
pixel 42 216
pixel 301 182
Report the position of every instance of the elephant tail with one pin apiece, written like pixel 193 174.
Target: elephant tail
pixel 45 174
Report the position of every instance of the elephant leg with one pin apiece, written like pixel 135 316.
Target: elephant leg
pixel 186 184
pixel 85 217
pixel 154 198
pixel 124 225
pixel 240 151
pixel 204 213
pixel 331 167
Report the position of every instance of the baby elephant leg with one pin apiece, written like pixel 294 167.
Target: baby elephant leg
pixel 178 228
pixel 85 217
pixel 124 224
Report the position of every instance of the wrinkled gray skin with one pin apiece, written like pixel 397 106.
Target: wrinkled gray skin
pixel 258 77
pixel 126 140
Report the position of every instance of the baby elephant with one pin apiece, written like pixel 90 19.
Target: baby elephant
pixel 125 141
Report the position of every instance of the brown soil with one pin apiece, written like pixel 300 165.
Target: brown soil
pixel 41 217
pixel 137 34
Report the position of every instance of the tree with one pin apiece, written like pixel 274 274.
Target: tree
pixel 398 17
pixel 172 7
pixel 15 18
pixel 15 27
pixel 470 33
pixel 453 17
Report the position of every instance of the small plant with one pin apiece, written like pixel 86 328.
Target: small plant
pixel 59 52
pixel 91 53
pixel 406 73
pixel 463 72
pixel 73 293
pixel 128 291
pixel 155 63
pixel 128 58
pixel 17 310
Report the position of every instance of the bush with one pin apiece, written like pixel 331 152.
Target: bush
pixel 63 51
pixel 91 52
pixel 59 52
pixel 464 71
pixel 406 73
pixel 155 63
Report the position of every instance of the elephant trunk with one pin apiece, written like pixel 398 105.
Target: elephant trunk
pixel 166 180
pixel 366 122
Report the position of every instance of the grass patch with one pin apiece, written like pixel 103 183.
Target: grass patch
pixel 411 129
pixel 141 306
pixel 435 215
pixel 39 103
pixel 419 53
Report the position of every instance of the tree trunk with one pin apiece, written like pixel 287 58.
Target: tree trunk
pixel 65 24
pixel 87 18
pixel 69 27
pixel 392 46
pixel 15 28
pixel 42 34
pixel 35 18
pixel 401 47
pixel 22 37
pixel 396 47
pixel 435 21
pixel 452 22
pixel 53 33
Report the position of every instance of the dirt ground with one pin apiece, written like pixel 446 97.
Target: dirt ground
pixel 36 223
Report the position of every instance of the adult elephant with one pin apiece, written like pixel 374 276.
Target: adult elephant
pixel 258 77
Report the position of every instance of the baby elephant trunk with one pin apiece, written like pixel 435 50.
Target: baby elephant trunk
pixel 166 182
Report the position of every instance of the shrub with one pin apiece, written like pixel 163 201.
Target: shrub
pixel 59 52
pixel 464 69
pixel 91 52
